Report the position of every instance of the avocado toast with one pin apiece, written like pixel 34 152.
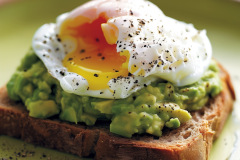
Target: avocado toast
pixel 191 140
pixel 43 101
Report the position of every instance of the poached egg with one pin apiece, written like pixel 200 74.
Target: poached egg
pixel 112 48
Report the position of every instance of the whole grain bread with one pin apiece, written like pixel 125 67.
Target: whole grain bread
pixel 193 140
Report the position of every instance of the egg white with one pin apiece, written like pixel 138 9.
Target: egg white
pixel 166 48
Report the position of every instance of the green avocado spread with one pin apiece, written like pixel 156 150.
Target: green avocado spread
pixel 148 110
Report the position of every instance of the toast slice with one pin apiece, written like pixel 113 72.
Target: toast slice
pixel 192 140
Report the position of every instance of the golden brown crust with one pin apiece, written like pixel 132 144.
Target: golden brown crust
pixel 193 140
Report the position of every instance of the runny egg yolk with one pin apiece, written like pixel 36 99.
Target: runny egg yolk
pixel 94 55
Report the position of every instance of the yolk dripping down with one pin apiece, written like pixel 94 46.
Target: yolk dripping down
pixel 95 57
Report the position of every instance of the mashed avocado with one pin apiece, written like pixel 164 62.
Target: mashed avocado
pixel 148 110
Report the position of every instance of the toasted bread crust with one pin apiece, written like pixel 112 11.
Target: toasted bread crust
pixel 193 140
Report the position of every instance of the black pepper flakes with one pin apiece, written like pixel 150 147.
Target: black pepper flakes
pixel 129 35
pixel 132 24
pixel 18 154
pixel 58 39
pixel 62 73
pixel 137 32
pixel 141 22
pixel 96 75
pixel 134 45
pixel 131 12
pixel 82 50
pixel 89 57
